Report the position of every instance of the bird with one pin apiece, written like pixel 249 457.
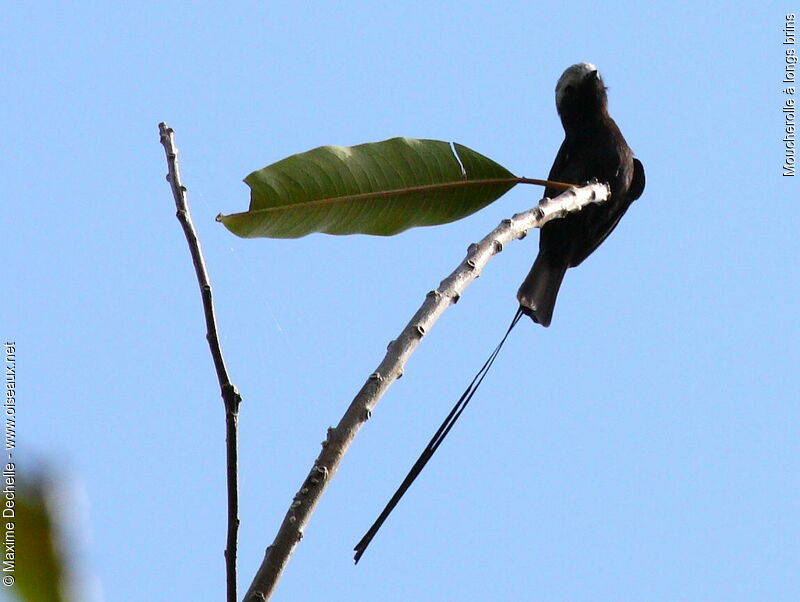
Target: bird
pixel 593 149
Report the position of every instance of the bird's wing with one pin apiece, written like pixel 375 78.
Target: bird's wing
pixel 601 226
pixel 598 232
pixel 637 182
pixel 559 171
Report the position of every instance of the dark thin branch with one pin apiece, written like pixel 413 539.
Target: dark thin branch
pixel 436 302
pixel 230 395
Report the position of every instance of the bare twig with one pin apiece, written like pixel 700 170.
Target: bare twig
pixel 230 395
pixel 339 438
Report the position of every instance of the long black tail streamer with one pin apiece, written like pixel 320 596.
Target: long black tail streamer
pixel 434 443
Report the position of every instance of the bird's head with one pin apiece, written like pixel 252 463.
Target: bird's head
pixel 580 94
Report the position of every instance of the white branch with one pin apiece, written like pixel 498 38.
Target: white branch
pixel 399 350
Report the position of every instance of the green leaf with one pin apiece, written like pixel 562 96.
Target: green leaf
pixel 377 188
pixel 40 565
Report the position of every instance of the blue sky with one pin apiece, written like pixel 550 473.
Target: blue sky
pixel 644 447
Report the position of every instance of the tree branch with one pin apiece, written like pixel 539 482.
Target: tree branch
pixel 391 368
pixel 230 395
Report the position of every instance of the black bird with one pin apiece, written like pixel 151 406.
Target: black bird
pixel 593 147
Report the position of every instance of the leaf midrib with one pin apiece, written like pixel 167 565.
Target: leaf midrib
pixel 407 191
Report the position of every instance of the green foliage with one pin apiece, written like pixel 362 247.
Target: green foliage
pixel 377 188
pixel 39 574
